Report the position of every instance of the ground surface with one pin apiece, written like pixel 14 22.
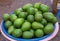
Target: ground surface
pixel 19 3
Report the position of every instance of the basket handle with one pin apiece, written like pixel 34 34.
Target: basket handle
pixel 54 6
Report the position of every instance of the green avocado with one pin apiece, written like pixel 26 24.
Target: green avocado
pixel 13 17
pixel 26 26
pixel 44 22
pixel 22 15
pixel 17 33
pixel 30 18
pixel 18 22
pixel 37 25
pixel 54 20
pixel 39 12
pixel 44 8
pixel 31 11
pixel 48 16
pixel 25 7
pixel 39 33
pixel 5 17
pixel 38 17
pixel 37 5
pixel 11 29
pixel 32 31
pixel 7 24
pixel 36 10
pixel 49 28
pixel 18 11
pixel 27 35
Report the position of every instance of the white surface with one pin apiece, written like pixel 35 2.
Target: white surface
pixel 46 39
pixel 58 6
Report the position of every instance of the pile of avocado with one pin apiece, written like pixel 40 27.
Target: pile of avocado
pixel 30 21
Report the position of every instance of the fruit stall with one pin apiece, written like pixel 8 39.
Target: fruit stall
pixel 31 21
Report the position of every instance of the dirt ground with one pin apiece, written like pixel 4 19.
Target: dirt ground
pixel 11 6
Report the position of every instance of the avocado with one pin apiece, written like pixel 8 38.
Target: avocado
pixel 18 11
pixel 13 17
pixel 48 16
pixel 22 15
pixel 18 22
pixel 38 17
pixel 17 33
pixel 26 26
pixel 44 22
pixel 31 11
pixel 44 8
pixel 39 33
pixel 37 5
pixel 27 35
pixel 11 29
pixel 37 25
pixel 7 24
pixel 25 7
pixel 5 17
pixel 30 18
pixel 49 28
